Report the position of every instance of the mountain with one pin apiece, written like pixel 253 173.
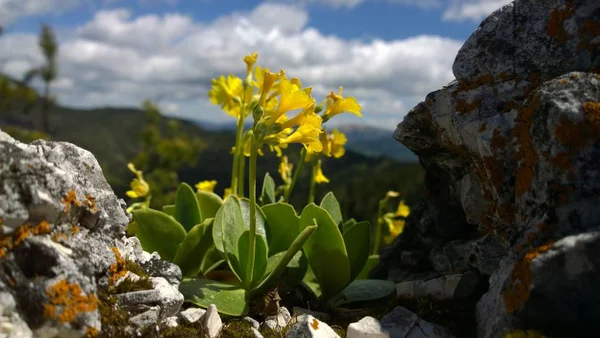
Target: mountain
pixel 363 139
pixel 112 135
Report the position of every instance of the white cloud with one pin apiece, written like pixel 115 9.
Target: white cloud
pixel 12 10
pixel 474 10
pixel 349 4
pixel 118 59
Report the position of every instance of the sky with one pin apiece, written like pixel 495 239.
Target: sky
pixel 388 54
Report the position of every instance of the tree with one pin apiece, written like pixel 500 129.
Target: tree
pixel 47 72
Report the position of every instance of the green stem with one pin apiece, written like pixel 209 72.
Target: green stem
pixel 380 221
pixel 236 157
pixel 288 190
pixel 313 184
pixel 252 192
pixel 242 174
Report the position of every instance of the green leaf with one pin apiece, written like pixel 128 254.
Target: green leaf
pixel 158 232
pixel 284 226
pixel 358 245
pixel 347 224
pixel 232 219
pixel 209 203
pixel 325 251
pixel 289 255
pixel 187 210
pixel 268 190
pixel 211 260
pixel 260 259
pixel 229 299
pixel 191 252
pixel 169 209
pixel 365 290
pixel 332 206
pixel 311 283
pixel 371 263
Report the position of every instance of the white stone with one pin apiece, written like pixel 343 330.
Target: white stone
pixel 368 327
pixel 211 321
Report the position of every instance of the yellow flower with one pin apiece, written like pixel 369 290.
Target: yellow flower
pixel 336 104
pixel 139 187
pixel 250 60
pixel 224 90
pixel 207 185
pixel 333 144
pixel 307 135
pixel 265 81
pixel 395 228
pixel 392 193
pixel 226 193
pixel 292 98
pixel 319 176
pixel 285 169
pixel 306 117
pixel 395 221
pixel 403 210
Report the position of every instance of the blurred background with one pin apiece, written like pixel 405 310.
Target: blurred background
pixel 81 70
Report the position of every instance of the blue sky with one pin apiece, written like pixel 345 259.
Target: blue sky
pixel 387 53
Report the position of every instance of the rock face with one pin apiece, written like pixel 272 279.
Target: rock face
pixel 62 245
pixel 512 157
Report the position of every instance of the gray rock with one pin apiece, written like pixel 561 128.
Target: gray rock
pixel 307 326
pixel 146 318
pixel 486 254
pixel 324 317
pixel 278 322
pixel 191 315
pixel 211 321
pixel 163 294
pixel 256 333
pixel 402 323
pixel 65 227
pixel 456 286
pixel 368 327
pixel 170 322
pixel 255 324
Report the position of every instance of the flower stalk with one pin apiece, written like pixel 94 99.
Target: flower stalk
pixel 252 192
pixel 288 190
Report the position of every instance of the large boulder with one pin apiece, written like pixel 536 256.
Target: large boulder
pixel 63 248
pixel 511 151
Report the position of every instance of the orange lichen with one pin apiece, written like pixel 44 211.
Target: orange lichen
pixel 57 237
pixel 563 81
pixel 483 127
pixel 117 270
pixel 91 332
pixel 75 229
pixel 315 324
pixel 562 161
pixel 464 107
pixel 526 154
pixel 90 202
pixel 69 199
pixel 517 292
pixel 42 228
pixel 67 300
pixel 591 110
pixel 556 21
pixel 465 85
pixel 587 32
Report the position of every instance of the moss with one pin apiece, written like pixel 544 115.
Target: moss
pixel 135 268
pixel 516 292
pixel 114 319
pixel 524 334
pixel 193 330
pixel 237 328
pixel 130 285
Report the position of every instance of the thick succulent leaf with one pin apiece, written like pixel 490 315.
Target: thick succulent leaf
pixel 212 259
pixel 365 290
pixel 230 300
pixel 283 224
pixel 260 259
pixel 195 245
pixel 268 190
pixel 169 209
pixel 187 210
pixel 232 219
pixel 331 204
pixel 311 283
pixel 158 232
pixel 209 203
pixel 290 254
pixel 371 263
pixel 347 224
pixel 358 245
pixel 326 251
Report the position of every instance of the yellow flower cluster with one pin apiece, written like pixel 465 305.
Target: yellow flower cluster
pixel 396 221
pixel 269 97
